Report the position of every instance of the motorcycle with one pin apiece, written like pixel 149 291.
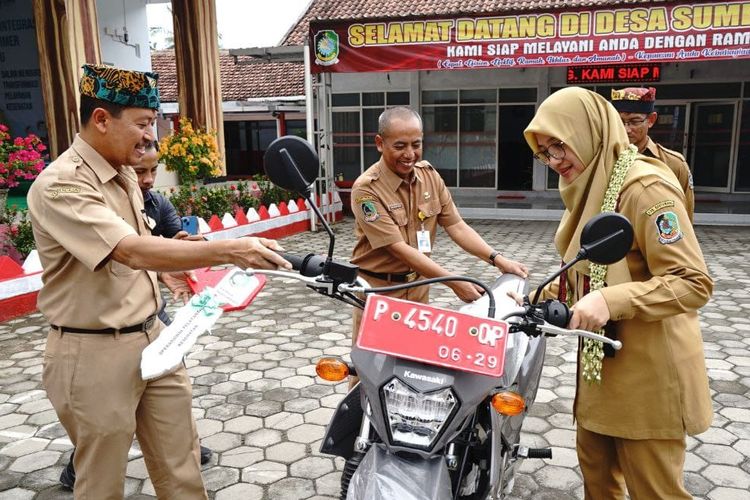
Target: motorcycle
pixel 442 396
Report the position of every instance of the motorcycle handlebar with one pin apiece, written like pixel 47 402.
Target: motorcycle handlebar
pixel 310 265
pixel 556 316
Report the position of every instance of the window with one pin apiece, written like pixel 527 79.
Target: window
pixel 460 135
pixel 742 179
pixel 347 144
pixel 245 143
pixel 441 140
pixel 355 124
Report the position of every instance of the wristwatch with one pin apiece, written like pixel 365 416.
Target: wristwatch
pixel 493 255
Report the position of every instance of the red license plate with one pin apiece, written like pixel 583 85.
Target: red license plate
pixel 432 335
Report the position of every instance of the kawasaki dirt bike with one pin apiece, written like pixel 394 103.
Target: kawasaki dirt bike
pixel 443 394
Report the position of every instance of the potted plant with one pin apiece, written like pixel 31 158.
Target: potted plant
pixel 21 158
pixel 191 152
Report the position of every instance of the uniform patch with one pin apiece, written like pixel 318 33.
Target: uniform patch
pixel 54 193
pixel 361 199
pixel 662 204
pixel 395 206
pixel 668 226
pixel 369 211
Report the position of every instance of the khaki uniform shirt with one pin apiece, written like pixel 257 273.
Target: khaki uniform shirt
pixel 677 164
pixel 79 214
pixel 656 386
pixel 387 208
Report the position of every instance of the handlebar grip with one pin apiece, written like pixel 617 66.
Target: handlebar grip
pixel 556 313
pixel 310 265
pixel 295 260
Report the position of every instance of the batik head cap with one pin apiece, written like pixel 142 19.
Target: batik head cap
pixel 133 89
pixel 634 99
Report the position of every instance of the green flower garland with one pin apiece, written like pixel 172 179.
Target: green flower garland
pixel 593 350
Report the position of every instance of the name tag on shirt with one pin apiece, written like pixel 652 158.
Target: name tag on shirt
pixel 423 241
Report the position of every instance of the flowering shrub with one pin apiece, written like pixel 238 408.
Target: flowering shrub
pixel 192 153
pixel 270 193
pixel 20 158
pixel 206 201
pixel 17 233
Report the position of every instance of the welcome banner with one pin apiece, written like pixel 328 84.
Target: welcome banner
pixel 693 31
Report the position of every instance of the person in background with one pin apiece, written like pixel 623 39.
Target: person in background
pixel 636 108
pixel 633 408
pixel 163 221
pixel 163 217
pixel 397 204
pixel 100 295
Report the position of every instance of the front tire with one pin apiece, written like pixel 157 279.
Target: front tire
pixel 350 467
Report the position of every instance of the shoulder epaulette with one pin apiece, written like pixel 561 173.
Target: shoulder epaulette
pixel 671 152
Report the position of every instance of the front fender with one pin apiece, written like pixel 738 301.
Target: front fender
pixel 344 426
pixel 384 476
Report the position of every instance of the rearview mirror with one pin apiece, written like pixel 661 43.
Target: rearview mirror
pixel 606 238
pixel 291 163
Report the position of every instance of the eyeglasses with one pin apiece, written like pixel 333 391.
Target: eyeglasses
pixel 635 122
pixel 556 151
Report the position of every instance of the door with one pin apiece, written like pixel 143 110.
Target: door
pixel 711 145
pixel 514 163
pixel 669 129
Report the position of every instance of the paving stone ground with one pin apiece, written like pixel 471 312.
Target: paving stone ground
pixel 261 409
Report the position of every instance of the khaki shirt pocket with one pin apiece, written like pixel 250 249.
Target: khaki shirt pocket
pixel 430 209
pixel 399 216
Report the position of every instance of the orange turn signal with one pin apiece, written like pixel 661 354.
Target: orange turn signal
pixel 508 403
pixel 332 369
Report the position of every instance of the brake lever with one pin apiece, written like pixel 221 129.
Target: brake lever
pixel 551 329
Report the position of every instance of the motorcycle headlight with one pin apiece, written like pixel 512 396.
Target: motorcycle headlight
pixel 414 418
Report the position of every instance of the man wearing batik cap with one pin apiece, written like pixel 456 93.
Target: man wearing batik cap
pixel 101 297
pixel 636 108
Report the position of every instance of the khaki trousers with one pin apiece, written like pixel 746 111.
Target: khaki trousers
pixel 94 384
pixel 650 468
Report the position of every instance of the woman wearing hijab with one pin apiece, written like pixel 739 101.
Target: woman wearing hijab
pixel 633 409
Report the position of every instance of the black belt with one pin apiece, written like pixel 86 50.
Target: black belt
pixel 395 277
pixel 140 327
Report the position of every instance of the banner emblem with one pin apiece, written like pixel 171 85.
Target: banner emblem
pixel 326 48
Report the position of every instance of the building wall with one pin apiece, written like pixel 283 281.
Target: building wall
pixel 711 88
pixel 116 17
pixel 21 104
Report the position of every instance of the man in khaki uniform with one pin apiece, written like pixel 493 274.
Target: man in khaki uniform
pixel 636 108
pixel 89 226
pixel 398 203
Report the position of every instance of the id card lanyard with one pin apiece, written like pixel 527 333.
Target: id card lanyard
pixel 423 237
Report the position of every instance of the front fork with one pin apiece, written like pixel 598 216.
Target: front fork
pixel 363 442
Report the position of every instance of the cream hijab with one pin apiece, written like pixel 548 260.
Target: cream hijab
pixel 591 129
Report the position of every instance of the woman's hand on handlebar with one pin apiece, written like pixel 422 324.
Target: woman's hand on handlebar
pixel 590 313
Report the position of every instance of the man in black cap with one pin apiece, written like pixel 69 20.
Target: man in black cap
pixel 101 297
pixel 636 107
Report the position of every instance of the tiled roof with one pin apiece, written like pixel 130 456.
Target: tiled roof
pixel 367 9
pixel 239 82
